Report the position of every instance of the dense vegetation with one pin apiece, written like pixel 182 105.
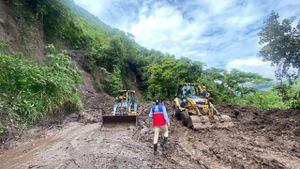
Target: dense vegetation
pixel 155 72
pixel 29 90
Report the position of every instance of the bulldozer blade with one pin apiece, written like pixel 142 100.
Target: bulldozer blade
pixel 119 120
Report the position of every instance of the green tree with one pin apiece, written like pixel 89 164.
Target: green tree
pixel 230 86
pixel 168 72
pixel 281 45
pixel 113 82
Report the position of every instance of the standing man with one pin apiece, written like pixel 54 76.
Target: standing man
pixel 161 120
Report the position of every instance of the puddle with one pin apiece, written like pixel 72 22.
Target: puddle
pixel 14 158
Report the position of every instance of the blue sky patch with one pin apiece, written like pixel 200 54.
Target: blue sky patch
pixel 219 33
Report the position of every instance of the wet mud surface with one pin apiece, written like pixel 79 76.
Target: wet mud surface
pixel 260 139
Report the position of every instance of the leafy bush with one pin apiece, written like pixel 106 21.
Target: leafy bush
pixel 113 82
pixel 263 100
pixel 168 72
pixel 290 93
pixel 2 129
pixel 30 90
pixel 4 48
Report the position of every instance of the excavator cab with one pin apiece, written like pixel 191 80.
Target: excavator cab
pixel 124 109
pixel 194 108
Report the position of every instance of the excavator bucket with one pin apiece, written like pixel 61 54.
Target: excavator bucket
pixel 125 119
pixel 203 122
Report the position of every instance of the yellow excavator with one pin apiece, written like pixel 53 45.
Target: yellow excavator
pixel 124 109
pixel 193 107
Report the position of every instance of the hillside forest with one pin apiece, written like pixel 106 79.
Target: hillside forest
pixel 34 86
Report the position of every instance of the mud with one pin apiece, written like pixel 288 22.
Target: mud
pixel 12 31
pixel 260 139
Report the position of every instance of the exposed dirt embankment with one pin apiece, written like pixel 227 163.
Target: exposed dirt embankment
pixel 19 34
pixel 260 139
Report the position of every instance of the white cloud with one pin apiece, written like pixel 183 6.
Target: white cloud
pixel 253 65
pixel 111 12
pixel 216 29
pixel 94 8
pixel 160 29
pixel 219 33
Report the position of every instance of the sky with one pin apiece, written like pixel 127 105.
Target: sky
pixel 219 33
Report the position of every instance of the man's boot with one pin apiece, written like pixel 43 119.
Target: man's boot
pixel 155 148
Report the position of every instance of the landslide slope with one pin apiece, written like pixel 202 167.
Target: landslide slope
pixel 28 27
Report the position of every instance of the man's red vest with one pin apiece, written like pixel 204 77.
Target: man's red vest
pixel 158 116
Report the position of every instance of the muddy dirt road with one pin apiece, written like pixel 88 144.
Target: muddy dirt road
pixel 86 146
pixel 261 139
pixel 82 146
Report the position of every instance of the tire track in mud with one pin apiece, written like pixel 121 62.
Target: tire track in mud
pixel 90 146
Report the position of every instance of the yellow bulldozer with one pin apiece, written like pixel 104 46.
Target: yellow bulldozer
pixel 193 107
pixel 124 109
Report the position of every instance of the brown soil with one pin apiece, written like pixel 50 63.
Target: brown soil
pixel 260 139
pixel 21 36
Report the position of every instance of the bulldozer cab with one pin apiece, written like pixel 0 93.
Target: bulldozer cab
pixel 186 90
pixel 121 95
pixel 193 107
pixel 191 89
pixel 191 93
pixel 124 108
pixel 125 99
